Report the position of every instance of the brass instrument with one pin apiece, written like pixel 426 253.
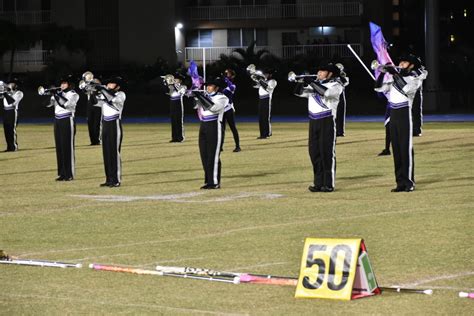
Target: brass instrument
pixel 255 74
pixel 375 65
pixel 5 87
pixel 341 70
pixel 43 91
pixel 293 77
pixel 170 80
pixel 88 83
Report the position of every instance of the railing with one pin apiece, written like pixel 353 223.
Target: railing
pixel 275 11
pixel 284 52
pixel 27 58
pixel 26 17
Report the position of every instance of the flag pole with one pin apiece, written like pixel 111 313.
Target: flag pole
pixel 361 62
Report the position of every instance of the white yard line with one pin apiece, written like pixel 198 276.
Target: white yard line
pixel 259 265
pixel 96 257
pixel 439 278
pixel 301 221
pixel 180 198
pixel 155 263
pixel 113 304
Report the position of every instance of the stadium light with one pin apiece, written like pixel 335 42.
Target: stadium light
pixel 179 26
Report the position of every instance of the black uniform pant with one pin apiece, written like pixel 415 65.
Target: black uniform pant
pixel 387 136
pixel 322 151
pixel 64 133
pixel 211 135
pixel 111 147
pixel 341 116
pixel 94 120
pixel 176 115
pixel 10 120
pixel 417 113
pixel 229 117
pixel 401 132
pixel 264 116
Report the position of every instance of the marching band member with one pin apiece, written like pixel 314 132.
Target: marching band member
pixel 229 110
pixel 323 98
pixel 64 101
pixel 11 97
pixel 341 107
pixel 417 109
pixel 112 100
pixel 265 85
pixel 210 108
pixel 94 116
pixel 386 150
pixel 176 93
pixel 401 89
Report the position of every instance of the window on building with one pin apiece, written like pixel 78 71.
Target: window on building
pixel 205 38
pixel 248 36
pixel 261 37
pixel 192 38
pixel 233 37
pixel 199 38
pixel 245 37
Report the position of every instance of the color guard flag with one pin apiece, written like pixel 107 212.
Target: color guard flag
pixel 380 45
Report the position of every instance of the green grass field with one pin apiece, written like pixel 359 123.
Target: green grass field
pixel 256 223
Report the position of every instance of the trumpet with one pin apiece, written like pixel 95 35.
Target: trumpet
pixel 5 87
pixel 170 80
pixel 292 77
pixel 255 74
pixel 88 83
pixel 341 70
pixel 375 65
pixel 43 91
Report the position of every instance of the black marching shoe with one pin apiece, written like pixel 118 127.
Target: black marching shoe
pixel 327 189
pixel 314 188
pixel 60 178
pixel 68 179
pixel 204 187
pixel 398 189
pixel 105 184
pixel 237 149
pixel 409 189
pixel 114 185
pixel 385 152
pixel 213 186
pixel 262 137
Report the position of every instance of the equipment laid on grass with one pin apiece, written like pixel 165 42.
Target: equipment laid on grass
pixel 6 259
pixel 466 295
pixel 336 269
pixel 405 290
pixel 160 273
pixel 242 277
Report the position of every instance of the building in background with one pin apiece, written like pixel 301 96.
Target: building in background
pixel 33 14
pixel 120 33
pixel 286 28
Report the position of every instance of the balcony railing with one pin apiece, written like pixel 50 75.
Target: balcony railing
pixel 27 17
pixel 27 58
pixel 284 52
pixel 275 11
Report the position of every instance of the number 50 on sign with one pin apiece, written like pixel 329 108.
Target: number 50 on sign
pixel 331 267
